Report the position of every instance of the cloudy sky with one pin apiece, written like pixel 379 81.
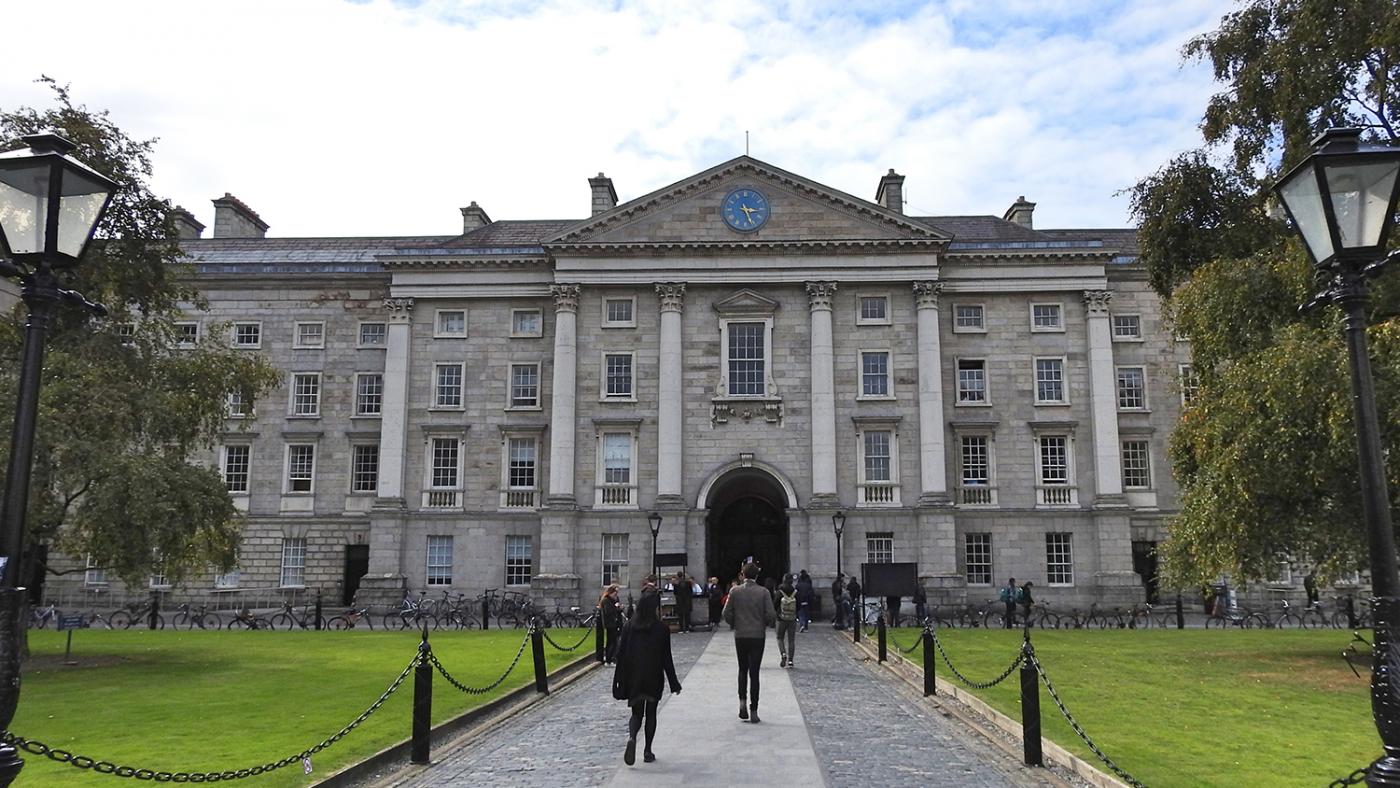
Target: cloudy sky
pixel 383 118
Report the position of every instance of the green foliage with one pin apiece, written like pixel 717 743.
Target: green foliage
pixel 120 414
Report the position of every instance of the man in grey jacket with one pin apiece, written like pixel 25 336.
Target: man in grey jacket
pixel 750 612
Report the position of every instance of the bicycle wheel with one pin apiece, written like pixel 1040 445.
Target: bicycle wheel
pixel 339 623
pixel 1215 622
pixel 466 620
pixel 1257 621
pixel 282 622
pixel 182 620
pixel 1288 621
pixel 1139 619
pixel 210 621
pixel 569 620
pixel 994 620
pixel 120 619
pixel 1338 620
pixel 395 620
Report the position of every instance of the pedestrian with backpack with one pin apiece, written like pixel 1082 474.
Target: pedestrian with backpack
pixel 787 622
pixel 1008 598
pixel 806 595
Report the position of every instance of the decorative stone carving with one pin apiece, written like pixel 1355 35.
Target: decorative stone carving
pixel 819 294
pixel 746 410
pixel 565 297
pixel 672 296
pixel 926 294
pixel 1096 302
pixel 400 309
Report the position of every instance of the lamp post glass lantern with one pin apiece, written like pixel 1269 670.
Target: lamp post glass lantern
pixel 838 525
pixel 654 520
pixel 50 205
pixel 1342 199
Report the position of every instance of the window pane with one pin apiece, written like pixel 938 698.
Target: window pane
pixel 877 456
pixel 746 359
pixel 445 456
pixel 1049 380
pixel 293 562
pixel 879 548
pixel 306 395
pixel 1135 465
pixel 1054 459
pixel 522 463
pixel 968 316
pixel 619 310
pixel 619 375
pixel 1127 326
pixel 247 334
pixel 617 458
pixel 373 333
pixel 301 463
pixel 519 560
pixel 449 386
pixel 977 557
pixel 972 380
pixel 364 472
pixel 975 466
pixel 1059 559
pixel 524 385
pixel 439 560
pixel 236 459
pixel 310 334
pixel 452 323
pixel 526 322
pixel 1045 315
pixel 874 308
pixel 614 559
pixel 875 374
pixel 1132 388
pixel 369 395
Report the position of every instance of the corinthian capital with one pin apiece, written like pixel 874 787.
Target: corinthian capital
pixel 819 295
pixel 565 297
pixel 1096 302
pixel 926 294
pixel 672 296
pixel 400 309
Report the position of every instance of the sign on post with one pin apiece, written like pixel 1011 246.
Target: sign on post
pixel 70 622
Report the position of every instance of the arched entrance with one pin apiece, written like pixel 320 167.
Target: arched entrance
pixel 747 517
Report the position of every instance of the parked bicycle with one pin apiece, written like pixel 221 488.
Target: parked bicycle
pixel 137 613
pixel 350 619
pixel 39 618
pixel 290 618
pixel 245 619
pixel 201 617
pixel 411 613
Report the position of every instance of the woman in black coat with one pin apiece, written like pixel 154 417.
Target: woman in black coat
pixel 611 611
pixel 642 660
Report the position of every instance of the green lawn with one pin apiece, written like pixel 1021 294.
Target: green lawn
pixel 211 701
pixel 1189 708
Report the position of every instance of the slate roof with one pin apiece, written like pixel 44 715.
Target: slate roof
pixel 1124 240
pixel 511 232
pixel 980 228
pixel 297 255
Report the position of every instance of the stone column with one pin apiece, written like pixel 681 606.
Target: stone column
pixel 383 584
pixel 563 396
pixel 933 469
pixel 819 295
pixel 1103 391
pixel 670 399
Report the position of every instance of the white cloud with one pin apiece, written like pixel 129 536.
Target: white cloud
pixel 333 118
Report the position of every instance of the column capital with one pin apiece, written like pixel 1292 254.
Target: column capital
pixel 1096 302
pixel 400 309
pixel 672 296
pixel 819 295
pixel 565 297
pixel 926 294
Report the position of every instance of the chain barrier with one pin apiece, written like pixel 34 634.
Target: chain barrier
pixel 1016 663
pixel 107 767
pixel 432 658
pixel 1357 777
pixel 1078 729
pixel 902 649
pixel 575 646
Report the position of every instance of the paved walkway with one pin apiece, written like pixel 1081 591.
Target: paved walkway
pixel 835 720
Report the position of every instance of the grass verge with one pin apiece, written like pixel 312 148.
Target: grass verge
pixel 1187 708
pixel 214 701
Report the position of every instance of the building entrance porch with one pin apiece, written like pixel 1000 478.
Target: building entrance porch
pixel 747 517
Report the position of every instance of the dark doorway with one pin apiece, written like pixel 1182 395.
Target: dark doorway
pixel 1145 564
pixel 356 567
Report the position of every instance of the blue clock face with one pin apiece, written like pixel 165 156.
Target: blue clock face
pixel 745 210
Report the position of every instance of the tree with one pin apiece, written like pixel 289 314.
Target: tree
pixel 123 408
pixel 1266 451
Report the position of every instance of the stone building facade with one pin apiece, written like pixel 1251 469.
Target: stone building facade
pixel 745 353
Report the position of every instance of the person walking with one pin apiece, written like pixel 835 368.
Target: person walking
pixel 838 593
pixel 714 592
pixel 787 623
pixel 921 604
pixel 685 601
pixel 892 604
pixel 750 612
pixel 643 659
pixel 1026 600
pixel 857 595
pixel 1008 598
pixel 611 611
pixel 806 596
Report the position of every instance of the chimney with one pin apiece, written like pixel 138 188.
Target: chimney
pixel 1020 213
pixel 474 217
pixel 891 192
pixel 233 219
pixel 604 195
pixel 186 226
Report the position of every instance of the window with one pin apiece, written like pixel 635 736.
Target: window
pixel 972 381
pixel 236 405
pixel 969 318
pixel 617 458
pixel 1136 473
pixel 301 467
pixel 617 376
pixel 1059 559
pixel 1054 459
pixel 1132 388
pixel 369 394
pixel 364 468
pixel 619 312
pixel 747 352
pixel 1049 381
pixel 877 456
pixel 226 580
pixel 1046 317
pixel 878 472
pixel 879 548
pixel 160 580
pixel 95 574
pixel 247 335
pixel 446 455
pixel 1190 383
pixel 126 331
pixel 310 335
pixel 519 560
pixel 306 394
pixel 447 385
pixel 617 481
pixel 1282 573
pixel 235 468
pixel 293 563
pixel 977 559
pixel 522 463
pixel 450 323
pixel 524 385
pixel 614 559
pixel 875 374
pixel 439 560
pixel 525 323
pixel 1127 328
pixel 374 334
pixel 873 310
pixel 186 334
pixel 1055 470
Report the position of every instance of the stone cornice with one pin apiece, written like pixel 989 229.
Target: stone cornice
pixel 829 246
pixel 467 263
pixel 1013 256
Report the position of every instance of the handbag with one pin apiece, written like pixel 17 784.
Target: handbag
pixel 621 674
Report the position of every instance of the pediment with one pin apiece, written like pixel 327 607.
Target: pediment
pixel 801 212
pixel 746 303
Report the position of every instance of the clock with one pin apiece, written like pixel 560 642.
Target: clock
pixel 745 210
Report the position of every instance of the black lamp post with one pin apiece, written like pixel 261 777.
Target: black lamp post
pixel 1342 199
pixel 838 524
pixel 654 519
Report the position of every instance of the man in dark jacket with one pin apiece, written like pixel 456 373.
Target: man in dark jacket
pixel 750 612
pixel 806 596
pixel 715 592
pixel 857 595
pixel 685 600
pixel 838 590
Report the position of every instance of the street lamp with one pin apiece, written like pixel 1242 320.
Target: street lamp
pixel 50 205
pixel 838 524
pixel 655 520
pixel 1342 198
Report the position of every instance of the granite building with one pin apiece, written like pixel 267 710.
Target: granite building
pixel 745 353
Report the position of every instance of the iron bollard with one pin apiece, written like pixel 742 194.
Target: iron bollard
pixel 930 679
pixel 422 704
pixel 1351 613
pixel 598 651
pixel 155 608
pixel 485 614
pixel 880 638
pixel 1180 616
pixel 318 610
pixel 1030 709
pixel 537 650
pixel 855 628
